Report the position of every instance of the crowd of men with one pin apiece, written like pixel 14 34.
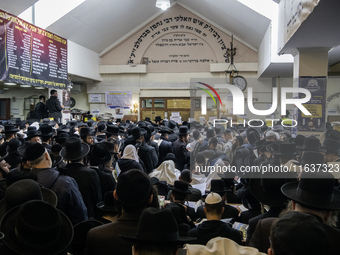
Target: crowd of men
pixel 117 187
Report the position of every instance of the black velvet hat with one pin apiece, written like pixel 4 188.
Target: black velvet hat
pixel 10 129
pixel 314 190
pixel 99 154
pixel 331 146
pixel 311 143
pixel 46 130
pixel 181 187
pixel 36 227
pixel 74 149
pixel 157 227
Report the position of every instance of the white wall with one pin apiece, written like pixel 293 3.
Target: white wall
pixel 82 62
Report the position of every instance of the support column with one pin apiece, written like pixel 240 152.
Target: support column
pixel 310 72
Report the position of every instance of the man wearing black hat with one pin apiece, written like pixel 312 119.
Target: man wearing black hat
pixel 70 200
pixel 313 194
pixel 10 133
pixel 100 155
pixel 13 158
pixel 332 148
pixel 54 107
pixel 146 152
pixel 157 234
pixel 134 193
pixel 47 132
pixel 87 178
pixel 179 148
pixel 164 145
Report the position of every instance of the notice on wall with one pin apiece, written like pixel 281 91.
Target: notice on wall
pixel 316 105
pixel 31 55
pixel 118 99
pixel 95 98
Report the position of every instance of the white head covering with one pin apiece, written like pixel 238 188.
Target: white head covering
pixel 166 172
pixel 223 246
pixel 130 153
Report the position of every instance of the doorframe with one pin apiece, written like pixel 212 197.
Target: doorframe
pixel 8 104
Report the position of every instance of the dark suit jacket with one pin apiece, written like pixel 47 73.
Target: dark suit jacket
pixel 181 153
pixel 105 239
pixel 107 182
pixel 89 186
pixel 260 238
pixel 149 157
pixel 164 148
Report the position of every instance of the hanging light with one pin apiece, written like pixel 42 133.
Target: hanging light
pixel 163 4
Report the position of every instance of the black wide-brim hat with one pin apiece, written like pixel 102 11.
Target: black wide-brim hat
pixel 100 153
pixel 74 149
pixel 313 192
pixel 157 227
pixel 311 143
pixel 286 149
pixel 183 130
pixel 10 129
pixel 268 191
pixel 15 243
pixel 181 187
pixel 32 133
pixel 47 195
pixel 331 146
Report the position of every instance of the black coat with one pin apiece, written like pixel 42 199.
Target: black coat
pixel 165 147
pixel 105 239
pixel 149 157
pixel 41 110
pixel 89 186
pixel 54 108
pixel 214 228
pixel 107 182
pixel 260 238
pixel 70 200
pixel 181 153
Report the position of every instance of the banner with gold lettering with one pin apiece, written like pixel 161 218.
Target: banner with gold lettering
pixel 31 55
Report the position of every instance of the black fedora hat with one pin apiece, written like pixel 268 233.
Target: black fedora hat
pixel 112 130
pixel 32 133
pixel 158 118
pixel 164 130
pixel 137 132
pixel 311 143
pixel 61 139
pixel 36 227
pixel 99 154
pixel 74 149
pixel 264 146
pixel 311 158
pixel 147 119
pixel 109 203
pixel 331 146
pixel 314 190
pixel 13 145
pixel 258 144
pixel 298 140
pixel 252 135
pixel 10 129
pixel 157 227
pixel 286 149
pixel 81 229
pixel 218 186
pixel 133 188
pixel 110 145
pixel 46 130
pixel 85 131
pixel 181 187
pixel 183 130
pixel 268 190
pixel 25 190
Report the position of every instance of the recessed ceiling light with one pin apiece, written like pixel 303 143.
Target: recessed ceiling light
pixel 38 87
pixel 25 86
pixel 10 83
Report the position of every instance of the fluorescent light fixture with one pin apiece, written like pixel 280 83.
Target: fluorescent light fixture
pixel 10 83
pixel 25 86
pixel 46 12
pixel 38 87
pixel 6 88
pixel 163 4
